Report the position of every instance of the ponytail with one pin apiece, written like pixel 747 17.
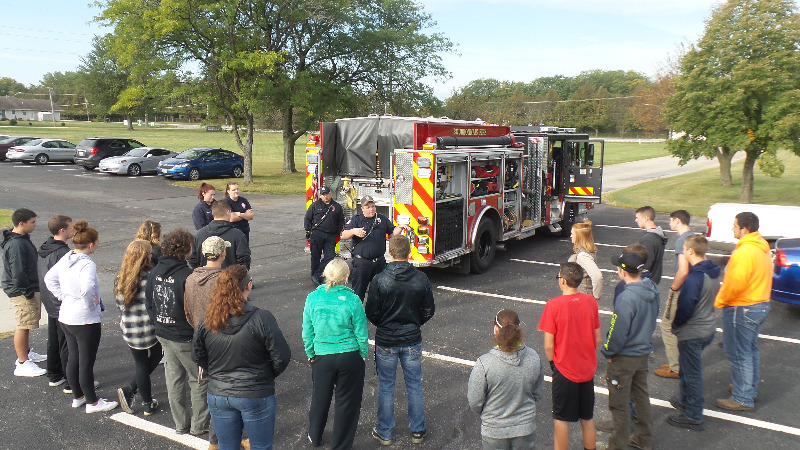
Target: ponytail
pixel 509 336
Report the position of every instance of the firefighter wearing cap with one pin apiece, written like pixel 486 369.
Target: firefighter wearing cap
pixel 323 222
pixel 368 231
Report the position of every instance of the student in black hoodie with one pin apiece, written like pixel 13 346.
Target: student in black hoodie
pixel 164 303
pixel 239 251
pixel 53 249
pixel 653 240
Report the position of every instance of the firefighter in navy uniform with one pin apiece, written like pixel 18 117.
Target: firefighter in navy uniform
pixel 368 231
pixel 323 222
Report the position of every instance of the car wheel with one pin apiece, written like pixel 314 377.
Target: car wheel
pixel 88 168
pixel 134 170
pixel 41 158
pixel 484 246
pixel 194 174
pixel 237 171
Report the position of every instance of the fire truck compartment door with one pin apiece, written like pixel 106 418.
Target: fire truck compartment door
pixel 583 173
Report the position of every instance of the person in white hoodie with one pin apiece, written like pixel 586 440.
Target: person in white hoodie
pixel 74 282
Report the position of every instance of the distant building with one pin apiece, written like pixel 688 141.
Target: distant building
pixel 24 109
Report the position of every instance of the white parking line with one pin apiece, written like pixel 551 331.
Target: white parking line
pixel 160 430
pixel 558 265
pixel 653 401
pixel 601 311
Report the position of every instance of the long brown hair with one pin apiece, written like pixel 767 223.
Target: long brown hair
pixel 227 299
pixel 136 259
pixel 150 231
pixel 509 336
pixel 583 237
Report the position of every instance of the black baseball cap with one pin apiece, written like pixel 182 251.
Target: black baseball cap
pixel 629 262
pixel 324 190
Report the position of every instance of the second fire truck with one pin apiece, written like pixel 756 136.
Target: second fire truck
pixel 461 186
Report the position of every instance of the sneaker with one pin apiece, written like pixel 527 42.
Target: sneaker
pixel 732 405
pixel 245 444
pixel 125 395
pixel 102 405
pixel 667 373
pixel 151 408
pixel 311 441
pixel 377 437
pixel 35 357
pixel 78 402
pixel 68 389
pixel 417 437
pixel 681 421
pixel 58 382
pixel 28 369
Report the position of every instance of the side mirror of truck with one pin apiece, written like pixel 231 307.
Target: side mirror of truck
pixel 590 155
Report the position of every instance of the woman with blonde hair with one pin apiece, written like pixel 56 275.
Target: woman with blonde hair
pixel 241 383
pixel 150 231
pixel 335 338
pixel 73 280
pixel 505 385
pixel 137 328
pixel 585 254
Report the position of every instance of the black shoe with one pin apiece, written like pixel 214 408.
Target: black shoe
pixel 315 280
pixel 125 395
pixel 151 408
pixel 676 403
pixel 417 437
pixel 681 421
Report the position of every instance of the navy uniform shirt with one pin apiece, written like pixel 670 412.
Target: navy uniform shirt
pixel 241 205
pixel 374 245
pixel 333 221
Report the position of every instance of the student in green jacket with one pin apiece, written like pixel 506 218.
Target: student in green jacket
pixel 335 338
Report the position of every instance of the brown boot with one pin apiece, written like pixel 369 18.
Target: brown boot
pixel 732 405
pixel 667 373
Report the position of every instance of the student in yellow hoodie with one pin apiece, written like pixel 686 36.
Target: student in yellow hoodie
pixel 744 300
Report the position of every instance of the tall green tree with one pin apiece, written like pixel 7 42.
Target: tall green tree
pixel 738 89
pixel 103 78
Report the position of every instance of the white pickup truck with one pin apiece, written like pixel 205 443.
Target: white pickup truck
pixel 775 221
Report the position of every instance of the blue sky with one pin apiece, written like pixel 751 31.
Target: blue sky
pixel 514 40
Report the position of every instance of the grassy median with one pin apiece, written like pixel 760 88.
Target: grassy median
pixel 5 218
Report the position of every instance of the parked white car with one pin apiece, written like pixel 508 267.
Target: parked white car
pixel 42 151
pixel 136 162
pixel 774 222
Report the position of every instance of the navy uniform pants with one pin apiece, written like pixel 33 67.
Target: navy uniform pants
pixel 363 272
pixel 323 250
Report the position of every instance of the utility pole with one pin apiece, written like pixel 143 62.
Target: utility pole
pixel 86 102
pixel 52 110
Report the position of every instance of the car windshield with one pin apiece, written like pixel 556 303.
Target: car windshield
pixel 192 153
pixel 137 152
pixel 34 142
pixel 7 140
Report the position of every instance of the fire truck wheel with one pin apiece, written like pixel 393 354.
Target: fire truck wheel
pixel 484 246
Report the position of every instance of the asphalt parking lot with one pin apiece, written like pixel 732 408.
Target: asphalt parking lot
pixel 37 416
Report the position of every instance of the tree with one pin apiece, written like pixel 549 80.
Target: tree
pixel 738 89
pixel 10 87
pixel 103 79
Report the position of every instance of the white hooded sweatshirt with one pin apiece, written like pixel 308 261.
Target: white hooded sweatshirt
pixel 74 281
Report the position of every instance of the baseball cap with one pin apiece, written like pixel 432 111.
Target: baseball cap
pixel 214 246
pixel 367 199
pixel 324 190
pixel 629 262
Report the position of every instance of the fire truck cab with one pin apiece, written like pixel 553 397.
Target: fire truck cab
pixel 461 186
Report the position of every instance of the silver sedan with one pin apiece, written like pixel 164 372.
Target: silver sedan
pixel 136 162
pixel 42 151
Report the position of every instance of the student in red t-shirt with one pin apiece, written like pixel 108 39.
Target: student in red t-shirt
pixel 571 325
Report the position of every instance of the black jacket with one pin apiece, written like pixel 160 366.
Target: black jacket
pixel 49 254
pixel 243 359
pixel 400 301
pixel 654 241
pixel 333 222
pixel 164 299
pixel 19 265
pixel 238 253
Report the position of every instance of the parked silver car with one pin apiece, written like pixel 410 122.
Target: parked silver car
pixel 42 151
pixel 136 162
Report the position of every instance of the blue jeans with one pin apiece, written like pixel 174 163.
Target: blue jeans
pixel 230 414
pixel 691 361
pixel 386 362
pixel 740 326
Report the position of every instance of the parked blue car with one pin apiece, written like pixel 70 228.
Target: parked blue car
pixel 786 276
pixel 202 162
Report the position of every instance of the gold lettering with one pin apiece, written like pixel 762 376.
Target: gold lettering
pixel 469 132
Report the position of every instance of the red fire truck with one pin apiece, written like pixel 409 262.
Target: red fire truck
pixel 461 186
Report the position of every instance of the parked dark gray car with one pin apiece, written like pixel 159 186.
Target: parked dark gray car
pixel 91 150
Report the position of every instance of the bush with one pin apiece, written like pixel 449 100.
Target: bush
pixel 63 124
pixel 12 122
pixel 30 124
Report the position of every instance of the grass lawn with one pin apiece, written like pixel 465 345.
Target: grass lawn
pixel 5 218
pixel 268 177
pixel 620 152
pixel 695 192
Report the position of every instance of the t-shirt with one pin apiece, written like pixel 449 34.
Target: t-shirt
pixel 240 205
pixel 679 246
pixel 573 319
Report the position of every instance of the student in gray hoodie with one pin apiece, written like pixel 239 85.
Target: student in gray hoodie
pixel 504 386
pixel 627 347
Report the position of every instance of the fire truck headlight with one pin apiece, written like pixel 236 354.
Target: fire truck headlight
pixel 312 158
pixel 422 240
pixel 423 230
pixel 422 220
pixel 423 162
pixel 422 249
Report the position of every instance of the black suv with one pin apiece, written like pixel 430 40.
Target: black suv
pixel 91 150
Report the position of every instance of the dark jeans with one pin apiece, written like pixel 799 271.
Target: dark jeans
pixel 342 373
pixel 146 362
pixel 691 361
pixel 57 351
pixel 83 342
pixel 626 377
pixel 322 245
pixel 363 272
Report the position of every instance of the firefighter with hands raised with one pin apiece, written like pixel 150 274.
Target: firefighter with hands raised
pixel 368 231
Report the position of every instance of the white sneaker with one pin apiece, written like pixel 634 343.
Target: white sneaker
pixel 101 406
pixel 28 369
pixel 78 402
pixel 35 357
pixel 58 382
